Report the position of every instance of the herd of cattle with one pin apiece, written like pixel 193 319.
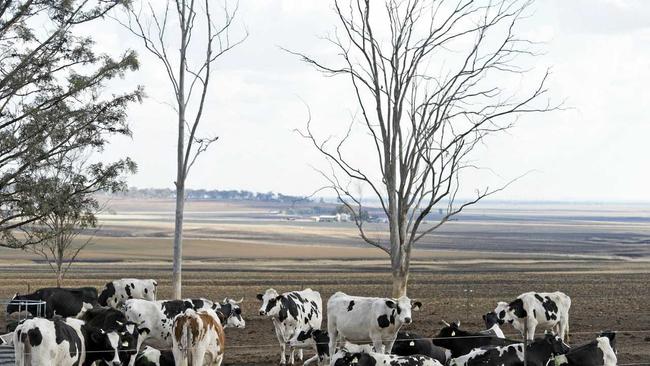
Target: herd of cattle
pixel 126 325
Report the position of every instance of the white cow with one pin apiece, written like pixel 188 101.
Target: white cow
pixel 291 312
pixel 548 310
pixel 362 319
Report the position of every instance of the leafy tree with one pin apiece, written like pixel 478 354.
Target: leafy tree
pixel 51 99
pixel 67 205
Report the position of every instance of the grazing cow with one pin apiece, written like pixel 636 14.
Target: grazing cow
pixel 352 355
pixel 600 352
pixel 492 327
pixel 360 319
pixel 154 318
pixel 409 344
pixel 460 342
pixel 316 339
pixel 109 319
pixel 64 342
pixel 291 312
pixel 198 338
pixel 115 293
pixel 150 356
pixel 538 353
pixel 64 302
pixel 549 310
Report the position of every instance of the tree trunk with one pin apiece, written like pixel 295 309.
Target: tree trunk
pixel 400 281
pixel 178 242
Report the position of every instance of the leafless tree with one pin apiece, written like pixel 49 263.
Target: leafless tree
pixel 430 81
pixel 189 78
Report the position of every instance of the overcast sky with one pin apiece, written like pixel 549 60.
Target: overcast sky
pixel 599 149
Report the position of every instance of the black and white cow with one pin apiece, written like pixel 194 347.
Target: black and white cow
pixel 150 356
pixel 538 353
pixel 64 302
pixel 362 319
pixel 154 319
pixel 115 293
pixel 64 342
pixel 460 342
pixel 492 327
pixel 109 319
pixel 409 344
pixel 353 355
pixel 548 310
pixel 600 352
pixel 317 340
pixel 291 312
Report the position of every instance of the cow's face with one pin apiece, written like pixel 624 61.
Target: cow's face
pixel 127 342
pixel 231 310
pixel 106 346
pixel 270 302
pixel 558 347
pixel 504 315
pixel 490 319
pixel 12 307
pixel 403 307
pixel 302 339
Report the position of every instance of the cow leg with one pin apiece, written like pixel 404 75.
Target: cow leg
pixel 292 352
pixel 378 344
pixel 300 354
pixel 531 324
pixel 389 345
pixel 311 360
pixel 564 327
pixel 333 334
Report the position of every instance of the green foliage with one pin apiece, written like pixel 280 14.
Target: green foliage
pixel 53 111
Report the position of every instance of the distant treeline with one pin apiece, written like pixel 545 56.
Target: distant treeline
pixel 214 195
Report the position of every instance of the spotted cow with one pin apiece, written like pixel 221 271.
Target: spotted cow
pixel 363 319
pixel 538 353
pixel 291 312
pixel 115 293
pixel 198 338
pixel 353 355
pixel 548 310
pixel 154 319
pixel 460 342
pixel 64 342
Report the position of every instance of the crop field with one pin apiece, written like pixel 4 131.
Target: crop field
pixel 238 251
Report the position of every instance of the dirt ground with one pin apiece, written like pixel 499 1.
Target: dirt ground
pixel 605 295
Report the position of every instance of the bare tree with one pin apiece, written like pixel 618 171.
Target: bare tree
pixel 429 80
pixel 190 81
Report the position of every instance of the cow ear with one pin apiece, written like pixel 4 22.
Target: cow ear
pixel 260 297
pixel 225 300
pixel 416 306
pixel 390 303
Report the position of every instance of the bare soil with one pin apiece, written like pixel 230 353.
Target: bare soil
pixel 605 295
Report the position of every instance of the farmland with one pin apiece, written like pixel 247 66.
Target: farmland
pixel 597 255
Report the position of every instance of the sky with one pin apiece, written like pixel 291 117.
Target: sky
pixel 596 148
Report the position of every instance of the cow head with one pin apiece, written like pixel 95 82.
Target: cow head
pixel 229 312
pixel 490 319
pixel 403 307
pixel 270 302
pixel 555 344
pixel 504 313
pixel 104 347
pixel 127 342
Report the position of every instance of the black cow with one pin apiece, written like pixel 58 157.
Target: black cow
pixel 538 353
pixel 317 339
pixel 461 342
pixel 111 320
pixel 409 344
pixel 599 352
pixel 64 302
pixel 492 327
pixel 62 342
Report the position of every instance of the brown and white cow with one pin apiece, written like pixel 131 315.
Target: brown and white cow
pixel 198 338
